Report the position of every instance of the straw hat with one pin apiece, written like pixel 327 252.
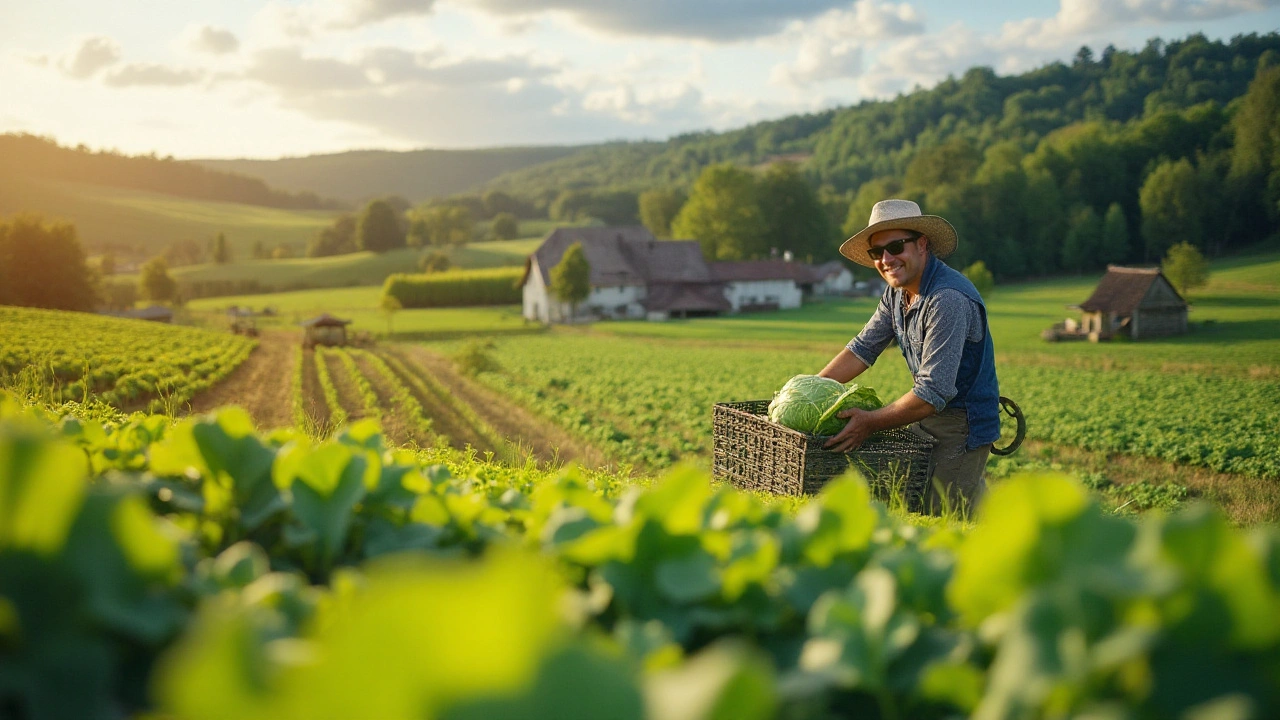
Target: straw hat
pixel 900 215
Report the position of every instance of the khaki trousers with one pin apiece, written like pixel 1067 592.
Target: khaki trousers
pixel 957 483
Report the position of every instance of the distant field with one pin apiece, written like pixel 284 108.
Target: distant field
pixel 1235 324
pixel 363 268
pixel 360 304
pixel 115 215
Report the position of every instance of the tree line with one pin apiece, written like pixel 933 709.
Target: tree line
pixel 1107 159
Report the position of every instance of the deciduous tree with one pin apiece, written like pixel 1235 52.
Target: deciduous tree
pixel 571 277
pixel 658 208
pixel 723 214
pixel 154 282
pixel 1185 267
pixel 794 218
pixel 378 228
pixel 505 226
pixel 42 264
pixel 1171 203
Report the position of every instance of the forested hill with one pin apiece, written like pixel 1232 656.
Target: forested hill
pixel 29 156
pixel 416 175
pixel 850 146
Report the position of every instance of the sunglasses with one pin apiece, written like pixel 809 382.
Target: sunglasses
pixel 893 248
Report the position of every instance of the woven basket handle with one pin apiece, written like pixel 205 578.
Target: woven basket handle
pixel 1011 409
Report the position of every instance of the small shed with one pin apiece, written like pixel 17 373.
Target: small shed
pixel 1135 302
pixel 325 329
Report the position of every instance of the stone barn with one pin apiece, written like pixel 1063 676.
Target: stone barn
pixel 1134 302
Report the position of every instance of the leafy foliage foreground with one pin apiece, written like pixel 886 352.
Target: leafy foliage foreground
pixel 205 570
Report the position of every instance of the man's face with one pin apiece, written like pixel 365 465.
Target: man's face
pixel 905 268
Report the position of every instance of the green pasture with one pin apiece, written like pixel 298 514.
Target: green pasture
pixel 1235 324
pixel 360 305
pixel 362 268
pixel 104 214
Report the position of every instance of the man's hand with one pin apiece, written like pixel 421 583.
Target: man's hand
pixel 860 425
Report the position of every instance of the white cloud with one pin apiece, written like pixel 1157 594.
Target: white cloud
pixel 93 54
pixel 211 40
pixel 1078 18
pixel 715 20
pixel 282 19
pixel 831 46
pixel 135 74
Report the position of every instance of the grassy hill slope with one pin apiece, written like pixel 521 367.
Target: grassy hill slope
pixel 416 175
pixel 109 215
pixel 362 268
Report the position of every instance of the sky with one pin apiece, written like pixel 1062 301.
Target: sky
pixel 246 78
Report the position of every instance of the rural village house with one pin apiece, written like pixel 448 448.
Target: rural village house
pixel 635 275
pixel 1134 302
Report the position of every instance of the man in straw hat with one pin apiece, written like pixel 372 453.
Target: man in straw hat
pixel 940 323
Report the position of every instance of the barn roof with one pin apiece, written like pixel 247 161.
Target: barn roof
pixel 1122 289
pixel 686 297
pixel 325 320
pixel 622 256
pixel 757 270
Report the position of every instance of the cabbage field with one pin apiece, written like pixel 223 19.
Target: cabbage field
pixel 206 570
pixel 648 400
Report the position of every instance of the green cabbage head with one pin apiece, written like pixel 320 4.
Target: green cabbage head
pixel 809 404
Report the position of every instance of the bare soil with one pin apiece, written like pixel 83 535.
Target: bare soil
pixel 348 394
pixel 313 395
pixel 444 419
pixel 546 441
pixel 395 425
pixel 261 384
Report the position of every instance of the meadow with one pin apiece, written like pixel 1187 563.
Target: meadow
pixel 360 268
pixel 110 215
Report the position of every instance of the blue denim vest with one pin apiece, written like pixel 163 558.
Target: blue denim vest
pixel 977 390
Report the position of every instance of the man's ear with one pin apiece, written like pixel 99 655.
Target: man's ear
pixel 923 242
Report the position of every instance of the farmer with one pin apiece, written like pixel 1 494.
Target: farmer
pixel 940 323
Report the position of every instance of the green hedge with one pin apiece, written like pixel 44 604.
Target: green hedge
pixel 461 288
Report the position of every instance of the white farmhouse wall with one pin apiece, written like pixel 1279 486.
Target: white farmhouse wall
pixel 614 301
pixel 836 284
pixel 537 300
pixel 754 292
pixel 611 302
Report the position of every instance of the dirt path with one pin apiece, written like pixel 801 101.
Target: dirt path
pixel 262 384
pixel 543 438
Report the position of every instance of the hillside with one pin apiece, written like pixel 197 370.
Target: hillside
pixel 147 221
pixel 849 146
pixel 30 157
pixel 415 175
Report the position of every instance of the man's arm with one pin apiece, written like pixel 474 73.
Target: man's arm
pixel 905 410
pixel 844 367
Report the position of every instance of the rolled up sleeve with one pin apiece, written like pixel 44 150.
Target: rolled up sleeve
pixel 875 335
pixel 946 321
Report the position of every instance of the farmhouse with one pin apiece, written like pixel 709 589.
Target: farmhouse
pixel 1134 302
pixel 635 275
pixel 762 284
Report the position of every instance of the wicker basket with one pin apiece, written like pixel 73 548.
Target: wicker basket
pixel 756 454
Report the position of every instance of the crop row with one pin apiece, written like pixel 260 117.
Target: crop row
pixel 337 415
pixel 64 356
pixel 227 573
pixel 428 386
pixel 402 399
pixel 650 401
